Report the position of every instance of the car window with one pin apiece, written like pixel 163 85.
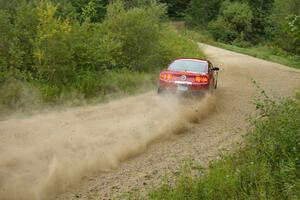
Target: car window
pixel 189 66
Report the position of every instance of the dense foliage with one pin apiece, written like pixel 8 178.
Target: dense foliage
pixel 201 12
pixel 249 22
pixel 53 50
pixel 176 8
pixel 234 24
pixel 266 167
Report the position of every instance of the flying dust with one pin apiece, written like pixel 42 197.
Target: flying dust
pixel 45 154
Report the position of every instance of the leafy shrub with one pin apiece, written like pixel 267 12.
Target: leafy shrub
pixel 18 95
pixel 126 82
pixel 198 35
pixel 173 46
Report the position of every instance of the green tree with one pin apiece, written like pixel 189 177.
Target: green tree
pixel 26 23
pixel 176 8
pixel 10 50
pixel 292 29
pixel 234 23
pixel 6 38
pixel 261 10
pixel 9 6
pixel 66 10
pixel 95 10
pixel 201 12
pixel 52 55
pixel 239 15
pixel 284 25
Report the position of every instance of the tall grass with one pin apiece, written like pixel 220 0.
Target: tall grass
pixel 266 167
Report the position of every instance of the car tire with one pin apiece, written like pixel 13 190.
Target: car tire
pixel 216 84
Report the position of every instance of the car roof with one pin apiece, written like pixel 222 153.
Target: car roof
pixel 192 59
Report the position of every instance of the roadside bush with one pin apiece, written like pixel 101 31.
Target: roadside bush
pixel 18 95
pixel 126 82
pixel 197 35
pixel 266 167
pixel 172 45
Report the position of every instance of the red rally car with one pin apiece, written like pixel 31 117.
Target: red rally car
pixel 188 75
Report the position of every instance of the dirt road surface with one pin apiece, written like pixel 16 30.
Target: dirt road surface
pixel 102 151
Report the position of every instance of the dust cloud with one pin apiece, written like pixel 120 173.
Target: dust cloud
pixel 46 154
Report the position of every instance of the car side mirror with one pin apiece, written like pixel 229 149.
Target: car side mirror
pixel 216 68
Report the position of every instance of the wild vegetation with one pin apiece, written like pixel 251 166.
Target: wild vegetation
pixel 248 22
pixel 55 51
pixel 267 166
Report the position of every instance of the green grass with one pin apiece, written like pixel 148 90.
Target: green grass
pixel 268 53
pixel 267 166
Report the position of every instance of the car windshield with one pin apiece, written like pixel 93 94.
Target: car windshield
pixel 189 66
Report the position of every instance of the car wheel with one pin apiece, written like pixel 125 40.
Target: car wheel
pixel 216 80
pixel 216 84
